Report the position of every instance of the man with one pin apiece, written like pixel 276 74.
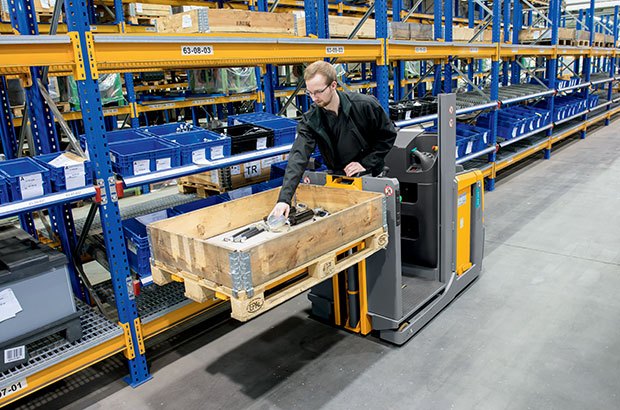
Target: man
pixel 352 131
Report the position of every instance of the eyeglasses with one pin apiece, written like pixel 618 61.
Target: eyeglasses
pixel 315 93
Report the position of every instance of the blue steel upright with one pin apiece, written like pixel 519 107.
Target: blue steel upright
pixel 490 184
pixel 92 115
pixel 382 70
pixel 471 17
pixel 552 63
pixel 8 138
pixel 587 62
pixel 506 64
pixel 517 24
pixel 399 70
pixel 438 17
pixel 612 61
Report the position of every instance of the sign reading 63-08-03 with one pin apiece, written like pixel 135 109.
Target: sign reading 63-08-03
pixel 197 50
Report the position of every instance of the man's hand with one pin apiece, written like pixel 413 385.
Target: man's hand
pixel 353 168
pixel 281 208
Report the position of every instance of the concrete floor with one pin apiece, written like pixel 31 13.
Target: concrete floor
pixel 539 329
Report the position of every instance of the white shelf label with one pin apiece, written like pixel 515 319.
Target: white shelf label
pixel 235 170
pixel 421 50
pixel 334 50
pixel 142 166
pixel 197 50
pixel 31 186
pixel 12 388
pixel 217 152
pixel 261 143
pixel 473 50
pixel 162 163
pixel 199 155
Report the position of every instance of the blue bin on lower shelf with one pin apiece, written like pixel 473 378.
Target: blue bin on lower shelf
pixel 137 242
pixel 81 175
pixel 143 156
pixel 4 191
pixel 122 135
pixel 201 203
pixel 26 178
pixel 200 144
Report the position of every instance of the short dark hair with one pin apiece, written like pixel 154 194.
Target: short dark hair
pixel 320 67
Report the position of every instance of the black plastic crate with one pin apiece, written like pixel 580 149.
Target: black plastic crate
pixel 247 137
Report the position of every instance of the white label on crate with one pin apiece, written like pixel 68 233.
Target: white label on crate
pixel 240 192
pixel 152 217
pixel 14 354
pixel 139 7
pixel 131 247
pixel 217 152
pixel 142 166
pixel 12 388
pixel 408 114
pixel 9 305
pixel 334 50
pixel 162 163
pixel 261 143
pixel 421 50
pixel 75 177
pixel 31 185
pixel 45 4
pixel 235 170
pixel 199 155
pixel 186 21
pixel 462 199
pixel 197 50
pixel 252 169
pixel 470 146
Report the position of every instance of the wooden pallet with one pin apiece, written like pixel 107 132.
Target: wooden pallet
pixel 268 295
pixel 582 43
pixel 142 20
pixel 200 190
pixel 18 111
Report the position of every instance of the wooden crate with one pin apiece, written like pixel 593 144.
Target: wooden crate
pixel 566 36
pixel 191 246
pixel 411 31
pixel 227 21
pixel 464 34
pixel 342 26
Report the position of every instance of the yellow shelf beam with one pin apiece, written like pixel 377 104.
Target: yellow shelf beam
pixel 514 50
pixel 420 50
pixel 160 87
pixel 176 317
pixel 68 367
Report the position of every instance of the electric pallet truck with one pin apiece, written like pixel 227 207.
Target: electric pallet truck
pixel 436 237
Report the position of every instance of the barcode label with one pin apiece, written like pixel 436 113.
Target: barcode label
pixel 15 354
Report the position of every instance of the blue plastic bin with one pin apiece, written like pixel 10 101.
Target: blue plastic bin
pixel 200 144
pixel 137 243
pixel 26 178
pixel 143 156
pixel 4 191
pixel 122 135
pixel 277 170
pixel 201 203
pixel 251 117
pixel 58 175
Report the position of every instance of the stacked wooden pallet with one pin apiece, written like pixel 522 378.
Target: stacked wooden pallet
pixel 145 14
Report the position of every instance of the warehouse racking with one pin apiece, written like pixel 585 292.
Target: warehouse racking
pixel 87 51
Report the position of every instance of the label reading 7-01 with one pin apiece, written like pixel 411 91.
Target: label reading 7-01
pixel 12 388
pixel 197 50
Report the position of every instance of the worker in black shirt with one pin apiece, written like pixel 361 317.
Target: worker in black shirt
pixel 352 131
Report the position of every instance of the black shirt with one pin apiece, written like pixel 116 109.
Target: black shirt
pixel 334 125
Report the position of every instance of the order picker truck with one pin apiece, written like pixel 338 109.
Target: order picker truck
pixel 434 216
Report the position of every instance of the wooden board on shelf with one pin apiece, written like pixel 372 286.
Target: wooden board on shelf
pixel 342 26
pixel 227 21
pixel 146 10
